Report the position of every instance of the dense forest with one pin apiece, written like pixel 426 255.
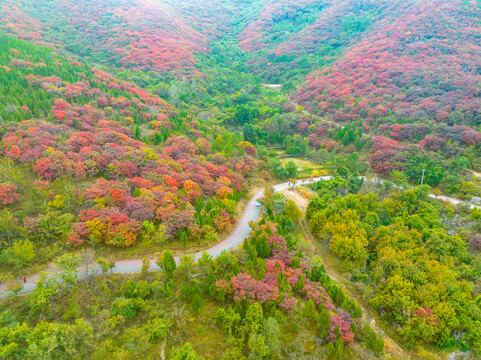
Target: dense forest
pixel 138 135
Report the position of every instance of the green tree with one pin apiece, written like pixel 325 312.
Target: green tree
pixel 68 265
pixel 272 334
pixel 124 307
pixel 20 254
pixel 159 327
pixel 105 265
pixel 197 303
pixel 160 236
pixel 249 133
pixel 399 178
pixel 8 225
pixel 342 171
pixel 257 346
pixel 292 211
pixel 167 262
pixel 228 318
pixel 339 349
pixel 291 168
pixel 324 323
pixel 145 266
pixel 185 352
pixel 330 350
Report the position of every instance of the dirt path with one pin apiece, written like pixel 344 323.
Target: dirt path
pixel 476 174
pixel 333 268
pixel 301 201
pixel 272 86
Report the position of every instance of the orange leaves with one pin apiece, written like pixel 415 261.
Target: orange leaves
pixel 124 234
pixel 117 196
pixel 223 222
pixel 156 125
pixel 223 180
pixel 223 191
pixel 190 185
pixel 163 213
pixel 141 183
pixel 171 182
pixel 121 234
pixel 331 145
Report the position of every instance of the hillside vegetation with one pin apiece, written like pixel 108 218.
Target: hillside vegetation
pixel 88 158
pixel 138 130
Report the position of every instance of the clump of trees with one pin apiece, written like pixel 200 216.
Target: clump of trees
pixel 401 247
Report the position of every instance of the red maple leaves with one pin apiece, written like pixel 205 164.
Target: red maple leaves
pixel 8 194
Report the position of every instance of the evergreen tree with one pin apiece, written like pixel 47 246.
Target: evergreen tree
pixel 197 303
pixel 324 323
pixel 167 263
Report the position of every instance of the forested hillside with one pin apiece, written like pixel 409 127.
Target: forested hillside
pixel 420 273
pixel 87 158
pixel 137 132
pixel 418 62
pixel 142 35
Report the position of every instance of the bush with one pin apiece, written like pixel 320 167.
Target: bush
pixel 373 341
pixel 124 307
pixel 158 327
pixel 140 290
pixel 20 254
pixel 186 352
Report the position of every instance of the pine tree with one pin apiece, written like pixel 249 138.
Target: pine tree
pixel 167 263
pixel 324 323
pixel 184 238
pixel 197 303
pixel 137 132
pixel 300 284
pixel 330 350
pixel 357 312
pixel 310 309
pixel 339 349
pixel 213 290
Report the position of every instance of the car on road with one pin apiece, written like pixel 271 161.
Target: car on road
pixel 258 204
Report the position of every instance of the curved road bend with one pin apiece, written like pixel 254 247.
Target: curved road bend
pixel 235 238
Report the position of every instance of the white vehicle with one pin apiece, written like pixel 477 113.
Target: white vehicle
pixel 258 204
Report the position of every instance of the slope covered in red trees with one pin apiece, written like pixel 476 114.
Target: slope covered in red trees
pixel 148 168
pixel 18 23
pixel 419 62
pixel 140 35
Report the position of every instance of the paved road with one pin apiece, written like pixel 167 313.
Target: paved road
pixel 236 237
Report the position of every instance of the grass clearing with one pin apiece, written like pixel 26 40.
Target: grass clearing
pixel 305 167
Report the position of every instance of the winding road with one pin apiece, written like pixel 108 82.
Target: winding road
pixel 235 238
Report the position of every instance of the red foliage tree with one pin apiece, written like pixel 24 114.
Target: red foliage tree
pixel 8 194
pixel 342 322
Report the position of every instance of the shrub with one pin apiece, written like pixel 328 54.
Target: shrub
pixel 124 307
